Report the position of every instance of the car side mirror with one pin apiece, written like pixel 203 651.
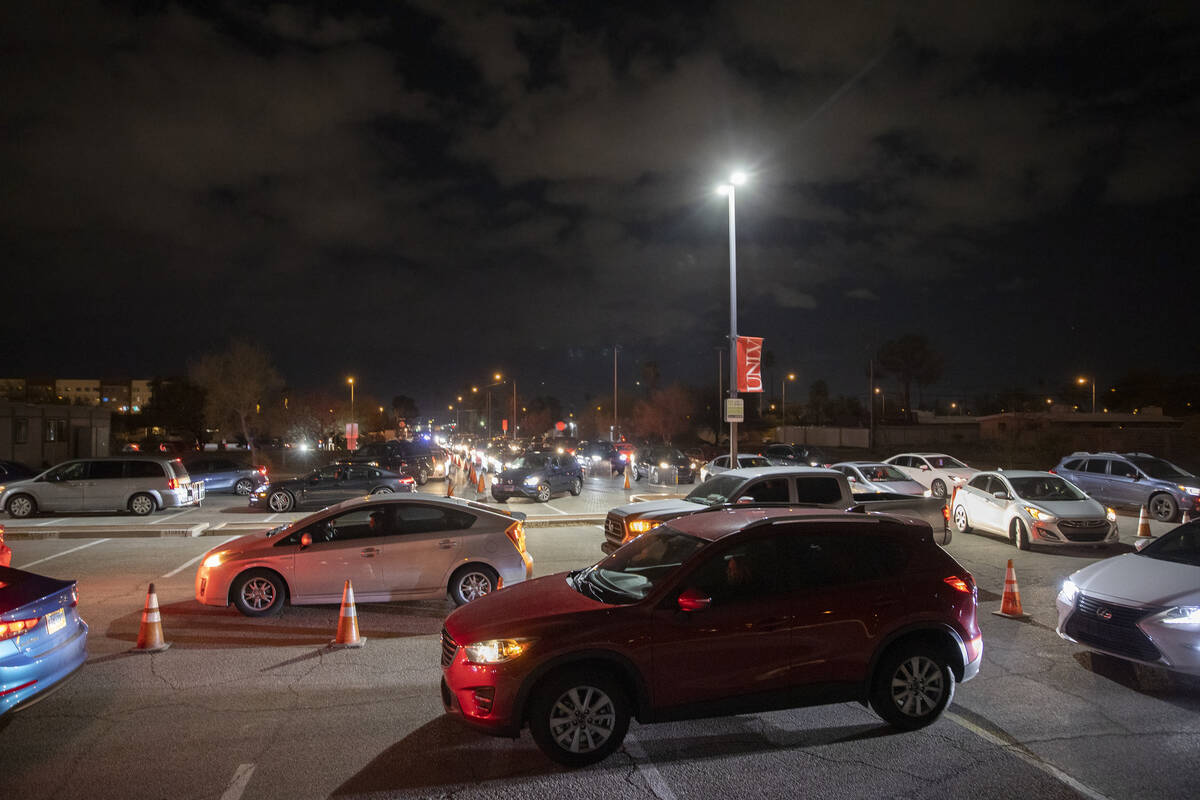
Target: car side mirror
pixel 313 480
pixel 852 479
pixel 693 600
pixel 744 500
pixel 925 468
pixel 1000 495
pixel 305 540
pixel 1136 477
pixel 1140 544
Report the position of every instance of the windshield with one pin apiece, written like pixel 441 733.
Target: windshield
pixel 529 461
pixel 1048 488
pixel 632 572
pixel 1181 545
pixel 716 490
pixel 665 454
pixel 753 461
pixel 883 473
pixel 1157 468
pixel 944 462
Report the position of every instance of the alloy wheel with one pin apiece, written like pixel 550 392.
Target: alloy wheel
pixel 582 719
pixel 474 585
pixel 258 593
pixel 917 686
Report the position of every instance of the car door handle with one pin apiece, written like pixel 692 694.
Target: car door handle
pixel 370 552
pixel 446 544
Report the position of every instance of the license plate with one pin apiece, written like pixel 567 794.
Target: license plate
pixel 56 621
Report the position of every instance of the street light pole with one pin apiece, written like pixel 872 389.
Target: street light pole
pixel 791 376
pixel 1081 382
pixel 351 382
pixel 730 191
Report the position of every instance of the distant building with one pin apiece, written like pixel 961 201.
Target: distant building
pixel 139 394
pixel 78 391
pixel 43 435
pixel 12 389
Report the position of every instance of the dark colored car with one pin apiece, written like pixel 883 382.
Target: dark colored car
pixel 597 454
pixel 539 475
pixel 222 474
pixel 328 485
pixel 726 612
pixel 15 471
pixel 795 455
pixel 414 459
pixel 664 465
pixel 43 641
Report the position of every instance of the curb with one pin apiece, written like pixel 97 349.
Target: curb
pixel 109 532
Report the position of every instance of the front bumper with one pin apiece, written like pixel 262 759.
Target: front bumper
pixel 1062 532
pixel 505 490
pixel 1174 647
pixel 483 696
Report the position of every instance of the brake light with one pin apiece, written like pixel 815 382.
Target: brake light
pixel 965 586
pixel 946 513
pixel 261 469
pixel 407 480
pixel 1052 472
pixel 74 596
pixel 516 533
pixel 172 483
pixel 16 627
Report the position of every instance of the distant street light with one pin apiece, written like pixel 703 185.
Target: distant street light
pixel 882 402
pixel 1083 382
pixel 729 190
pixel 351 382
pixel 783 384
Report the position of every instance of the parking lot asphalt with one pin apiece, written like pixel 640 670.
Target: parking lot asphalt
pixel 262 708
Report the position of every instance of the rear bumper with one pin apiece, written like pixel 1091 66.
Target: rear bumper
pixel 26 679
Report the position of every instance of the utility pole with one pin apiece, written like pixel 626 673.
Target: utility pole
pixel 614 430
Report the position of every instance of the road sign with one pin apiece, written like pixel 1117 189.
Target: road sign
pixel 735 409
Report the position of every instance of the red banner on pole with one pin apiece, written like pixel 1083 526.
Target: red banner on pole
pixel 749 358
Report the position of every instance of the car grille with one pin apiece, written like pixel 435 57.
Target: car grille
pixel 614 529
pixel 1088 536
pixel 449 649
pixel 1084 524
pixel 1119 635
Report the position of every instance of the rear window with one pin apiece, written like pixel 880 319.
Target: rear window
pixel 145 469
pixel 822 490
pixel 179 469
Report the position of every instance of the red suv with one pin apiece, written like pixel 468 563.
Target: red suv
pixel 723 612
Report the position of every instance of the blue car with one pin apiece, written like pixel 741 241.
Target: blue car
pixel 222 474
pixel 1134 479
pixel 43 641
pixel 539 476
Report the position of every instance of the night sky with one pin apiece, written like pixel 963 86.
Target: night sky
pixel 419 194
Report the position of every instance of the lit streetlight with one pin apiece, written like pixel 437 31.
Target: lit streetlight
pixel 1083 382
pixel 791 376
pixel 351 382
pixel 729 190
pixel 882 402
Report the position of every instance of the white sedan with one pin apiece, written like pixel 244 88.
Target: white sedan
pixel 1142 606
pixel 1032 508
pixel 937 472
pixel 721 464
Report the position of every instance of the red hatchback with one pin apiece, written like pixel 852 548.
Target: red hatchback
pixel 724 612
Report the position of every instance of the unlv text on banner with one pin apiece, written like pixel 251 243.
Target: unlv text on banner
pixel 749 350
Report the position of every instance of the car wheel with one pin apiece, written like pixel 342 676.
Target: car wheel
pixel 543 493
pixel 1019 535
pixel 422 476
pixel 21 506
pixel 579 718
pixel 654 476
pixel 500 498
pixel 960 520
pixel 280 501
pixel 577 487
pixel 938 488
pixel 912 686
pixel 243 487
pixel 383 490
pixel 1163 507
pixel 637 476
pixel 471 583
pixel 259 593
pixel 142 504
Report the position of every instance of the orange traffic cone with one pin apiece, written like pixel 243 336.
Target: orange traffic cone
pixel 1010 605
pixel 481 487
pixel 347 631
pixel 471 473
pixel 450 486
pixel 1144 524
pixel 150 634
pixel 627 474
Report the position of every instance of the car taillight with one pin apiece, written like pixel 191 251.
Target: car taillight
pixel 407 479
pixel 16 627
pixel 261 469
pixel 946 513
pixel 74 596
pixel 172 483
pixel 965 585
pixel 1052 472
pixel 516 532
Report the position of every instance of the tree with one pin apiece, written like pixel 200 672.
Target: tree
pixel 818 400
pixel 235 383
pixel 911 360
pixel 666 413
pixel 405 408
pixel 176 404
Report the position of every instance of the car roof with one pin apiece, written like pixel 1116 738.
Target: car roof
pixel 375 499
pixel 721 522
pixel 861 464
pixel 1019 473
pixel 758 472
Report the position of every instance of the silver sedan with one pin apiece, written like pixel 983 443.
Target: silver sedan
pixel 391 548
pixel 721 464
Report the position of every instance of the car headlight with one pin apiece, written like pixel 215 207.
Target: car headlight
pixel 1192 490
pixel 1068 592
pixel 532 480
pixel 663 465
pixel 218 558
pixel 1038 514
pixel 496 651
pixel 595 458
pixel 640 526
pixel 956 478
pixel 1110 514
pixel 1182 615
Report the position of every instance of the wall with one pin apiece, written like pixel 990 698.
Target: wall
pixel 87 433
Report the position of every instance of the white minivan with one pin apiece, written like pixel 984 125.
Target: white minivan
pixel 138 484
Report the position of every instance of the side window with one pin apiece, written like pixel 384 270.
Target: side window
pixel 979 482
pixel 1073 464
pixel 329 473
pixel 903 461
pixel 1096 466
pixel 771 490
pixel 199 467
pixel 55 430
pixel 776 450
pixel 414 518
pixel 744 572
pixel 1183 547
pixel 21 430
pixel 361 523
pixel 144 469
pixel 818 490
pixel 376 474
pixel 357 473
pixel 1123 469
pixel 997 485
pixel 818 560
pixel 105 470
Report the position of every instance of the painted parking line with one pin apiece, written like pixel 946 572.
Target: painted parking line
pixel 160 520
pixel 191 561
pixel 63 553
pixel 48 522
pixel 559 510
pixel 237 786
pixel 654 778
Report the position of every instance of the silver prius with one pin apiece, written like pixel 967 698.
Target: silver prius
pixel 391 548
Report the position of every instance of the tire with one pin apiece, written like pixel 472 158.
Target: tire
pixel 960 520
pixel 912 685
pixel 543 493
pixel 280 501
pixel 938 487
pixel 383 490
pixel 654 476
pixel 21 506
pixel 500 498
pixel 259 593
pixel 422 476
pixel 243 487
pixel 472 582
pixel 142 505
pixel 1163 508
pixel 1019 535
pixel 574 702
pixel 637 476
pixel 577 487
